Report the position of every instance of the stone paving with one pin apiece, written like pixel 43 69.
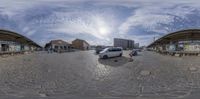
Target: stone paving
pixel 82 75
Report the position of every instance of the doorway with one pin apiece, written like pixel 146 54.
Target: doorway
pixel 4 47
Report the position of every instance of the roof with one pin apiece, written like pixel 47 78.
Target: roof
pixel 189 34
pixel 123 39
pixel 13 36
pixel 80 40
pixel 59 42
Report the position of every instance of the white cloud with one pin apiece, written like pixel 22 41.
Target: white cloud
pixel 13 7
pixel 25 29
pixel 148 16
pixel 151 15
pixel 87 23
pixel 31 32
pixel 75 20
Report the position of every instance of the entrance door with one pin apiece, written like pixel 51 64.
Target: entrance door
pixel 4 47
pixel 22 47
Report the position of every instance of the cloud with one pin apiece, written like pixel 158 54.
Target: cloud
pixel 150 16
pixel 93 24
pixel 156 21
pixel 98 21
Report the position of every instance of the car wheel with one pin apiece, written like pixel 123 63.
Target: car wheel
pixel 120 54
pixel 105 57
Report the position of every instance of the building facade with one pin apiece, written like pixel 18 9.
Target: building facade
pixel 58 46
pixel 136 45
pixel 124 43
pixel 180 41
pixel 14 42
pixel 80 44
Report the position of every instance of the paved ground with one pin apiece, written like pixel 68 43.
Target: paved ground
pixel 81 75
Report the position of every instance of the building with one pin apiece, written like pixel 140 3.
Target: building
pixel 92 47
pixel 80 44
pixel 136 45
pixel 184 41
pixel 124 43
pixel 58 46
pixel 13 42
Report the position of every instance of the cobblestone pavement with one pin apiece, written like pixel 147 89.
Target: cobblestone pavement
pixel 81 75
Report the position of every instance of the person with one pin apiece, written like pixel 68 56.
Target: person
pixel 48 50
pixel 51 50
pixel 132 53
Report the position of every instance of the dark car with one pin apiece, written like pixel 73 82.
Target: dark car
pixel 99 49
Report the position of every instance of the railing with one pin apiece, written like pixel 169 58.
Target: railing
pixel 13 52
pixel 180 53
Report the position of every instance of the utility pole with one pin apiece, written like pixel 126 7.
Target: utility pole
pixel 154 39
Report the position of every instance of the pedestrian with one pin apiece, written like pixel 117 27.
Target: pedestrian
pixel 131 55
pixel 51 50
pixel 48 50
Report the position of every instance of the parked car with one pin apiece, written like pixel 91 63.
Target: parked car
pixel 99 49
pixel 111 52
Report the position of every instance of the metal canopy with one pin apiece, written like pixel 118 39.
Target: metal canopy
pixel 190 34
pixel 13 36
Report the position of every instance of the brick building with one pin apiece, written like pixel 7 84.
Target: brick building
pixel 58 46
pixel 80 44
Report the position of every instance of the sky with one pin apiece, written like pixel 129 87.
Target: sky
pixel 98 21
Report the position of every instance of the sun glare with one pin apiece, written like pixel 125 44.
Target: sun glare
pixel 103 31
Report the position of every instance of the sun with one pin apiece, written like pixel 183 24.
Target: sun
pixel 103 31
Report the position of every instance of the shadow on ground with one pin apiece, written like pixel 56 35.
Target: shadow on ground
pixel 115 62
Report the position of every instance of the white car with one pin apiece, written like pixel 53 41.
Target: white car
pixel 111 52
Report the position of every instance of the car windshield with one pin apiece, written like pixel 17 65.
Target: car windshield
pixel 105 49
pixel 99 49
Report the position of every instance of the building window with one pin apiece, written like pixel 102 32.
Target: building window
pixel 65 47
pixel 56 47
pixel 4 47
